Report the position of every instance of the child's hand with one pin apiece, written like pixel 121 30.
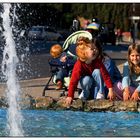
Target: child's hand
pixel 68 101
pixel 126 94
pixel 111 94
pixel 63 58
pixel 135 96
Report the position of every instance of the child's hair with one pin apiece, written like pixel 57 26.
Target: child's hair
pixel 56 50
pixel 96 41
pixel 82 44
pixel 131 48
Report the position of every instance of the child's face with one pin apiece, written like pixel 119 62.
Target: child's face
pixel 91 52
pixel 135 57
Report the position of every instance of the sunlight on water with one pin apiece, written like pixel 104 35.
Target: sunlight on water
pixel 49 123
pixel 9 64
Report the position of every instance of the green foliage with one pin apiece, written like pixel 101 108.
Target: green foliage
pixel 61 14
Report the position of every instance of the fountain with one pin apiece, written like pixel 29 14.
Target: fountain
pixel 50 123
pixel 9 64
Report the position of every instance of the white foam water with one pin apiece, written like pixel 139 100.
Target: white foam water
pixel 9 64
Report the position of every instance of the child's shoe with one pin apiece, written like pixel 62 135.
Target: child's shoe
pixel 59 85
pixel 81 96
pixel 100 96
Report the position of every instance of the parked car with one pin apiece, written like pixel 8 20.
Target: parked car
pixel 44 33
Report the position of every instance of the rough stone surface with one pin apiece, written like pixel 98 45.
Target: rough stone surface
pixel 125 106
pixel 77 105
pixel 43 102
pixel 32 98
pixel 99 105
pixel 3 102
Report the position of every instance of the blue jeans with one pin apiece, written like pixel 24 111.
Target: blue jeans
pixel 92 84
pixel 61 74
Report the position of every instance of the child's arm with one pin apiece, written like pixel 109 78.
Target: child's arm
pixel 68 101
pixel 107 80
pixel 126 94
pixel 135 96
pixel 111 94
pixel 76 75
pixel 67 60
pixel 126 76
pixel 126 82
pixel 112 69
pixel 63 57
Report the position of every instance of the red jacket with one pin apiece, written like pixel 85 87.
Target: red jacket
pixel 82 69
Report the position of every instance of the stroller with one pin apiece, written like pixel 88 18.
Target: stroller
pixel 70 48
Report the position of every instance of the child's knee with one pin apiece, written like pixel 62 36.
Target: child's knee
pixel 96 72
pixel 118 85
pixel 87 80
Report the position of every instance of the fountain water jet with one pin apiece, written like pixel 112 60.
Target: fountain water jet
pixel 9 65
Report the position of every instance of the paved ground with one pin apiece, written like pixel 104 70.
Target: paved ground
pixel 34 87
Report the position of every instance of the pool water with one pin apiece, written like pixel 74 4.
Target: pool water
pixel 44 123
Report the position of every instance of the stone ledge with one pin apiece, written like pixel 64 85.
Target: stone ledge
pixel 49 103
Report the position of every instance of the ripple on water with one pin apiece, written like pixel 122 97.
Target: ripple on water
pixel 43 123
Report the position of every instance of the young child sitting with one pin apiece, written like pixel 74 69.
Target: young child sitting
pixel 63 61
pixel 129 89
pixel 86 69
pixel 109 64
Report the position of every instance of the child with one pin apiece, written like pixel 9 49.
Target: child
pixel 63 61
pixel 129 89
pixel 109 64
pixel 86 69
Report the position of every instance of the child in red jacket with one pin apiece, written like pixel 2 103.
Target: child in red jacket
pixel 86 69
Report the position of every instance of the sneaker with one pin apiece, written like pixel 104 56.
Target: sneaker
pixel 59 85
pixel 81 96
pixel 100 96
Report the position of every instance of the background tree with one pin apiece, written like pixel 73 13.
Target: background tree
pixel 60 15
